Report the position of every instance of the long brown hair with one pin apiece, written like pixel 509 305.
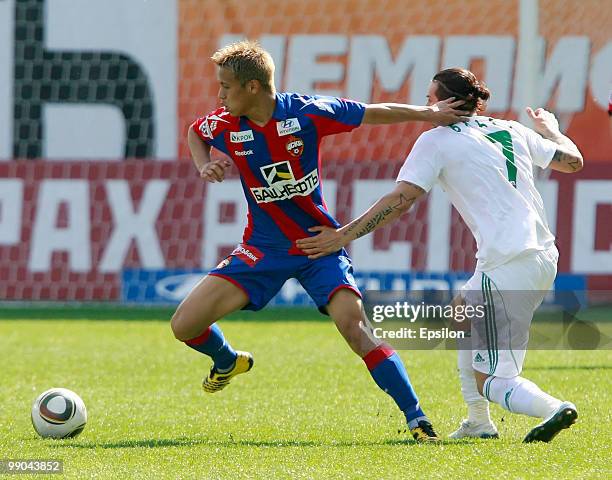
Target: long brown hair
pixel 463 85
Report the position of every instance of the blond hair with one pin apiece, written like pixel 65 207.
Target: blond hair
pixel 248 61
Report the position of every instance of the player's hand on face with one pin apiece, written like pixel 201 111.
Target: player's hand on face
pixel 329 240
pixel 447 112
pixel 214 171
pixel 544 122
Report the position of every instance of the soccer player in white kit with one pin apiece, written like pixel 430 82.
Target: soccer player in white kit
pixel 485 166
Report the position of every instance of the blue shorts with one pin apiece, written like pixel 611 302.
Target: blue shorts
pixel 261 272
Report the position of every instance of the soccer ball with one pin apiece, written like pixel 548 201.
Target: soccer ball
pixel 59 413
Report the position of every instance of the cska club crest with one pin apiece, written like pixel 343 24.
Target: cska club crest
pixel 295 146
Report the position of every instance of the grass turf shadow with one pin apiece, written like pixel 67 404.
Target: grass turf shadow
pixel 190 442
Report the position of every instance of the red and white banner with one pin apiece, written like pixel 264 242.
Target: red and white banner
pixel 68 229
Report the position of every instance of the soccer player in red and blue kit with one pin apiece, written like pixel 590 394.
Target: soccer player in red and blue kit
pixel 273 139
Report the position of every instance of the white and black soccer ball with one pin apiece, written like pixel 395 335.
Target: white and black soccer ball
pixel 59 413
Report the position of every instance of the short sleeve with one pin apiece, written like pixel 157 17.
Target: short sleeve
pixel 210 127
pixel 202 129
pixel 424 163
pixel 541 149
pixel 333 115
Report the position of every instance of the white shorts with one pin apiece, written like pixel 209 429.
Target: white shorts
pixel 509 295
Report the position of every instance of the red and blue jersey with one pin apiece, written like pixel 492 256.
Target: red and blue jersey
pixel 279 163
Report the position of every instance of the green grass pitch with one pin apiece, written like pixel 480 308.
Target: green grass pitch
pixel 308 409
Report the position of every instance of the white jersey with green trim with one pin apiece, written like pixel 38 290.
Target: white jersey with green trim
pixel 485 166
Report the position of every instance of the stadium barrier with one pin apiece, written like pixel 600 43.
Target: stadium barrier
pixel 108 231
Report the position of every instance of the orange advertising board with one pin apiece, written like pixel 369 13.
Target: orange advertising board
pixel 376 51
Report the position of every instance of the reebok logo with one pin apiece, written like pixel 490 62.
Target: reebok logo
pixel 210 123
pixel 243 153
pixel 478 358
pixel 248 254
pixel 320 103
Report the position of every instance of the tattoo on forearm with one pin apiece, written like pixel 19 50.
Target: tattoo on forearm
pixel 566 159
pixel 353 226
pixel 403 204
pixel 378 218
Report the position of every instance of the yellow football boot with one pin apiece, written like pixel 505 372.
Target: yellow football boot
pixel 216 381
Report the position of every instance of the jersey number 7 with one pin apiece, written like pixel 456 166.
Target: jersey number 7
pixel 504 138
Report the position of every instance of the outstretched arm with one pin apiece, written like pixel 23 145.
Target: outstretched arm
pixel 384 211
pixel 567 158
pixel 445 112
